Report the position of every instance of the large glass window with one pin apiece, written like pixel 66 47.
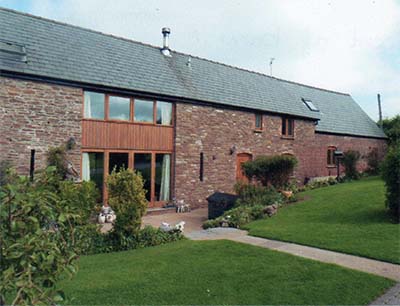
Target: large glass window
pixel 164 113
pixel 93 105
pixel 142 163
pixel 144 111
pixel 163 176
pixel 117 161
pixel 120 108
pixel 93 168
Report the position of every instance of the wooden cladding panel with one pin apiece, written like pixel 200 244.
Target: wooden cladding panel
pixel 123 135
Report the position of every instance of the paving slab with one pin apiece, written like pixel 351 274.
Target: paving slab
pixel 193 220
pixel 391 297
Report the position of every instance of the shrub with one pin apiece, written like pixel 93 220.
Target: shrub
pixel 127 197
pixel 81 198
pixel 391 176
pixel 349 161
pixel 373 161
pixel 7 173
pixel 150 236
pixel 271 170
pixel 56 157
pixel 250 195
pixel 237 217
pixel 37 238
pixel 212 223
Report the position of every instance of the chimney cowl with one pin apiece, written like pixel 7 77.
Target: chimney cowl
pixel 165 49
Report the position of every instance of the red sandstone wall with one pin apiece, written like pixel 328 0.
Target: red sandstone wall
pixel 36 115
pixel 214 131
pixel 317 165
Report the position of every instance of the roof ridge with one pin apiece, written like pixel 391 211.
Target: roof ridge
pixel 260 73
pixel 174 51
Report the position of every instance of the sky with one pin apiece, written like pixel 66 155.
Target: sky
pixel 347 46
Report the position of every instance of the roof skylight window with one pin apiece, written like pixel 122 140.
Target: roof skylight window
pixel 13 51
pixel 310 105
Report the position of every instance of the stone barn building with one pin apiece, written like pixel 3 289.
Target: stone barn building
pixel 184 122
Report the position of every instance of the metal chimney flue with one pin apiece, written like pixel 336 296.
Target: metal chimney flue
pixel 165 49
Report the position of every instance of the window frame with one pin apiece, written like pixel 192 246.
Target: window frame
pixel 286 122
pixel 311 106
pixel 104 105
pixel 330 158
pixel 131 165
pixel 131 119
pixel 154 102
pixel 108 108
pixel 258 128
pixel 156 112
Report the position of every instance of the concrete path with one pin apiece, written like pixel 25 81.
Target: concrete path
pixel 384 269
pixel 391 297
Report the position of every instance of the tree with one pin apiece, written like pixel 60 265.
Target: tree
pixel 391 127
pixel 37 240
pixel 391 176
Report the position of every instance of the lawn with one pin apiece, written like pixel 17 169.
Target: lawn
pixel 216 272
pixel 350 218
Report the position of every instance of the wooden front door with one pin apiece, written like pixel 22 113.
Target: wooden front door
pixel 240 159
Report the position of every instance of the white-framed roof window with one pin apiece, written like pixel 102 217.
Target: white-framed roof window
pixel 13 51
pixel 310 105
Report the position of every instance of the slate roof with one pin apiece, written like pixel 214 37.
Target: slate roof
pixel 66 52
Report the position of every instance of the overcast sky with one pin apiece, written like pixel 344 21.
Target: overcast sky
pixel 347 46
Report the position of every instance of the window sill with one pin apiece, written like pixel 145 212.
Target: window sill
pixel 287 137
pixel 257 130
pixel 331 166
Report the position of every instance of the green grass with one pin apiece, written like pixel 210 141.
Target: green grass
pixel 216 272
pixel 350 218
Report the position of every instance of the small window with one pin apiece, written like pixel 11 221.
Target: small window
pixel 144 111
pixel 201 173
pixel 258 121
pixel 310 105
pixel 287 127
pixel 93 105
pixel 164 113
pixel 331 156
pixel 120 108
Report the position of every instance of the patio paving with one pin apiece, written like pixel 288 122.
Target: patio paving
pixel 193 220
